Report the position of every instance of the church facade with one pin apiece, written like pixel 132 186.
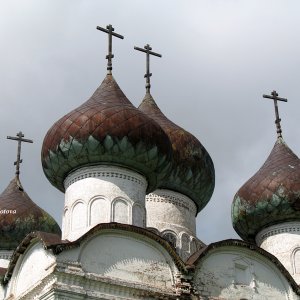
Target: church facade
pixel 134 182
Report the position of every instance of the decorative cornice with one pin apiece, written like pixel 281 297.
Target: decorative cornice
pixel 287 227
pixel 175 198
pixel 104 172
pixel 6 254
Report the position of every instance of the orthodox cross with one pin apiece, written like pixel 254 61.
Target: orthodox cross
pixel 20 139
pixel 109 30
pixel 274 96
pixel 147 49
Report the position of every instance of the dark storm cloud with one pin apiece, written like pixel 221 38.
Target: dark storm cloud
pixel 219 57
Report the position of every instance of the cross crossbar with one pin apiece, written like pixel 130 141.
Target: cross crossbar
pixel 19 139
pixel 110 31
pixel 147 49
pixel 275 98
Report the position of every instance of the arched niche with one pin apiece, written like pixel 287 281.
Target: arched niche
pixel 79 215
pixel 120 211
pixel 99 211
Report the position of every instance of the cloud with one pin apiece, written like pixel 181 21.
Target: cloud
pixel 219 57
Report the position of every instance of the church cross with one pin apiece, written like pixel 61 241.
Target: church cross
pixel 147 49
pixel 274 96
pixel 20 139
pixel 109 30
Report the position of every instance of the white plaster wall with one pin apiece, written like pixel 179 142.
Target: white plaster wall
pixel 102 194
pixel 32 267
pixel 124 256
pixel 173 213
pixel 237 273
pixel 4 258
pixel 283 241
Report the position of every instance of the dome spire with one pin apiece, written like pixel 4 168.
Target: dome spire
pixel 274 96
pixel 17 163
pixel 109 30
pixel 147 49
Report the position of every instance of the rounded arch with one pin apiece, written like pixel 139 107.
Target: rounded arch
pixel 171 237
pixel 121 210
pixel 295 260
pixel 98 210
pixel 184 241
pixel 66 221
pixel 78 215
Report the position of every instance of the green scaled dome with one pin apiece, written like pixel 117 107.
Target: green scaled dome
pixel 192 172
pixel 20 216
pixel 106 129
pixel 271 196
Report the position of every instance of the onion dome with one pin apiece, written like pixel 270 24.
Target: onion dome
pixel 20 216
pixel 106 129
pixel 271 196
pixel 192 172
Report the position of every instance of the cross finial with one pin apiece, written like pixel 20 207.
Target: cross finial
pixel 274 96
pixel 20 139
pixel 109 30
pixel 147 49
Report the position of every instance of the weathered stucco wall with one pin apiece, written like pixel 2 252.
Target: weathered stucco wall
pixel 237 273
pixel 127 258
pixel 174 216
pixel 34 265
pixel 283 241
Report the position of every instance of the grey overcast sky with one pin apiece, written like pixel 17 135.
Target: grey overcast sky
pixel 219 57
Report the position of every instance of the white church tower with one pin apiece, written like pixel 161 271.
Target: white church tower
pixel 172 208
pixel 105 155
pixel 266 209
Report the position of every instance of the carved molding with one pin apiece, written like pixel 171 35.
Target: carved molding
pixel 104 172
pixel 289 227
pixel 171 197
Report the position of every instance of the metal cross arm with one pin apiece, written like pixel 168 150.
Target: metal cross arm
pixel 274 96
pixel 147 49
pixel 110 31
pixel 20 139
pixel 277 98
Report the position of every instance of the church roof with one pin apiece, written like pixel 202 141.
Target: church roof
pixel 271 196
pixel 192 172
pixel 20 216
pixel 106 129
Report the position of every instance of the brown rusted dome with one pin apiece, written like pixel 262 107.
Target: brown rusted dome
pixel 106 129
pixel 20 216
pixel 271 196
pixel 192 172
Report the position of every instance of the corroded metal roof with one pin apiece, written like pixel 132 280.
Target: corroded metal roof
pixel 271 196
pixel 106 129
pixel 20 215
pixel 192 172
